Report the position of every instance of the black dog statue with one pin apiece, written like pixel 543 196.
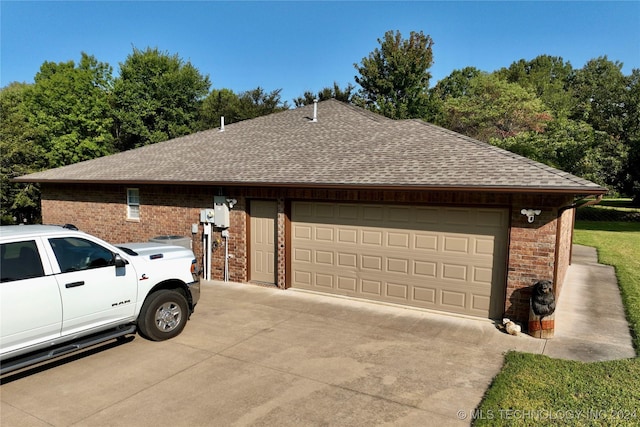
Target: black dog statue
pixel 543 302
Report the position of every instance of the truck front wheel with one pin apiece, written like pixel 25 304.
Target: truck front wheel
pixel 163 316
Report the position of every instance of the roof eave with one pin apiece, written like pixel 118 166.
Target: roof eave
pixel 345 186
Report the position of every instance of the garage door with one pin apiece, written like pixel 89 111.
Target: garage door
pixel 444 258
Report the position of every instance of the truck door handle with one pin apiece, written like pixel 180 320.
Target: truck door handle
pixel 74 284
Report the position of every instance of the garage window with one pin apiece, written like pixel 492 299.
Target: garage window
pixel 133 203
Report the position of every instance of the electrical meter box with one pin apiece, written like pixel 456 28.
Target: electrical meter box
pixel 221 212
pixel 207 216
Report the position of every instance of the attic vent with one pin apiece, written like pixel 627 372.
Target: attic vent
pixel 315 110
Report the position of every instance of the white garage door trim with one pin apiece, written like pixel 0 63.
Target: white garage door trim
pixel 444 258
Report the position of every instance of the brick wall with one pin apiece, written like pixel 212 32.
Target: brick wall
pixel 565 240
pixel 533 251
pixel 101 210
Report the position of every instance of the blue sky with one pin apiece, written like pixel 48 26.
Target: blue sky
pixel 307 45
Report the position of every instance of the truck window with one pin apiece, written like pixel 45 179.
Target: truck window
pixel 74 254
pixel 19 261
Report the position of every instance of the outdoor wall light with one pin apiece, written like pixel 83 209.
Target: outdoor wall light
pixel 530 214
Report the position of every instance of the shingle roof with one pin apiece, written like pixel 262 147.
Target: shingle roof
pixel 347 147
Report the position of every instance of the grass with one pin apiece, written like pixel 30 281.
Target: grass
pixel 536 390
pixel 619 203
pixel 610 210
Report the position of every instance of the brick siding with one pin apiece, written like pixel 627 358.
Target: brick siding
pixel 565 241
pixel 536 251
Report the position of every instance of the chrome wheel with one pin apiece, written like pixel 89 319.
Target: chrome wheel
pixel 168 316
pixel 163 315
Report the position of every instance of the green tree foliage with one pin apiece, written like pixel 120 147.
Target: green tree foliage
pixel 257 102
pixel 157 97
pixel 235 108
pixel 609 101
pixel 548 77
pixel 20 155
pixel 69 108
pixel 600 90
pixel 455 85
pixel 394 78
pixel 219 103
pixel 334 92
pixel 632 131
pixel 574 147
pixel 631 124
pixel 632 106
pixel 493 108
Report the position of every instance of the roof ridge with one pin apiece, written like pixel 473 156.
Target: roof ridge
pixel 363 111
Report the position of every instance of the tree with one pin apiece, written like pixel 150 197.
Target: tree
pixel 256 102
pixel 20 156
pixel 600 90
pixel 157 97
pixel 610 102
pixel 574 147
pixel 632 135
pixel 394 78
pixel 68 106
pixel 235 108
pixel 548 77
pixel 455 85
pixel 219 103
pixel 494 108
pixel 598 96
pixel 334 92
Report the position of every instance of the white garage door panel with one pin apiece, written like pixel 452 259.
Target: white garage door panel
pixel 449 259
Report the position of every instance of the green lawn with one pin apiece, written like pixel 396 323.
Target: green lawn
pixel 535 390
pixel 621 210
pixel 619 203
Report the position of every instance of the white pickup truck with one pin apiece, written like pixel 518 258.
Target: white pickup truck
pixel 62 290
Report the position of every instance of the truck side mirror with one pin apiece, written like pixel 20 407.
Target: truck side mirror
pixel 119 261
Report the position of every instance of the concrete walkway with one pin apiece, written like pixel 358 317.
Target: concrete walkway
pixel 253 356
pixel 590 321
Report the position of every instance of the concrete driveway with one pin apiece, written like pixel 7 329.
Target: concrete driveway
pixel 263 357
pixel 260 356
